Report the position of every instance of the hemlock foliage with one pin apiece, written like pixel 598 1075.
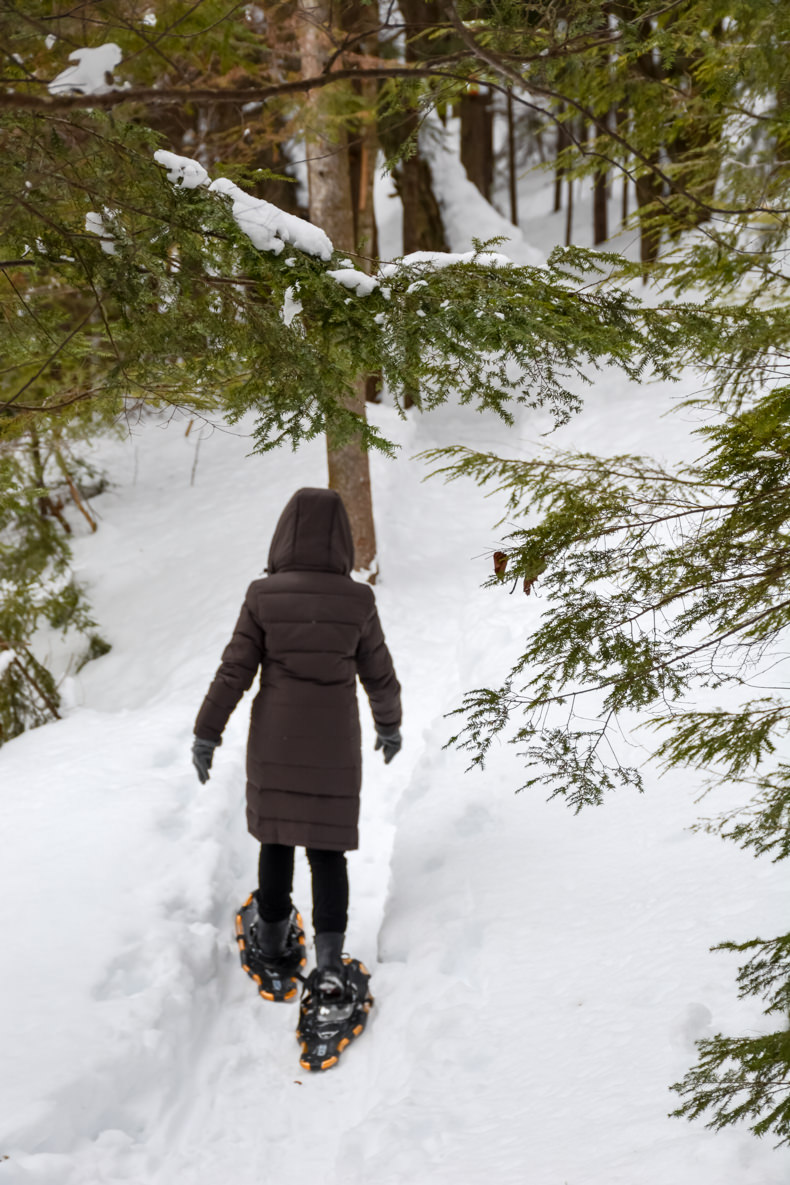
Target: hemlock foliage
pixel 36 584
pixel 660 583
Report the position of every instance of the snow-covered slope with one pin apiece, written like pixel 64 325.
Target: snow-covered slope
pixel 540 978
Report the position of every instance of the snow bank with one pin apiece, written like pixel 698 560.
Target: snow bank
pixel 465 212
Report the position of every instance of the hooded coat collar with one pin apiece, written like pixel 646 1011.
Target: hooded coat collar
pixel 313 534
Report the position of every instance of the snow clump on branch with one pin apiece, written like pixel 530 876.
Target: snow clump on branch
pixel 266 226
pixel 182 170
pixel 94 224
pixel 432 259
pixel 360 282
pixel 92 74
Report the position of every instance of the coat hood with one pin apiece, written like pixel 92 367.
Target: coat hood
pixel 313 534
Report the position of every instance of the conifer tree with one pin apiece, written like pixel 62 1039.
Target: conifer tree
pixel 118 286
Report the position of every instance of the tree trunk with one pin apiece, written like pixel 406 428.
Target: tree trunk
pixel 621 126
pixel 600 206
pixel 362 156
pixel 600 201
pixel 423 229
pixel 511 160
pixel 329 186
pixel 648 189
pixel 477 139
pixel 361 21
pixel 569 214
pixel 562 143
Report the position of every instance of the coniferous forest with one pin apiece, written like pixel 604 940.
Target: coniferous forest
pixel 188 202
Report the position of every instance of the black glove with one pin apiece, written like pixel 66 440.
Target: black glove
pixel 202 753
pixel 389 739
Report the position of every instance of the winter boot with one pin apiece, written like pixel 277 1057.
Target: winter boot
pixel 272 953
pixel 329 952
pixel 269 938
pixel 335 1004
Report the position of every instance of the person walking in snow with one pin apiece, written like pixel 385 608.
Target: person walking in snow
pixel 311 630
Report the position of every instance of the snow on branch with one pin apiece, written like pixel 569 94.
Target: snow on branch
pixel 269 229
pixel 92 72
pixel 182 170
pixel 360 283
pixel 266 226
pixel 435 259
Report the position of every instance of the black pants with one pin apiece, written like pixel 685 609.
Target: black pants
pixel 330 886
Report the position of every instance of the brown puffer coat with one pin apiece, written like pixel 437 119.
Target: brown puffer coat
pixel 311 629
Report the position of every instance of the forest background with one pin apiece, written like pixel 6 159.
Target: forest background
pixel 128 285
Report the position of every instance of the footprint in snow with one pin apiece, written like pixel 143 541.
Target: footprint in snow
pixel 693 1024
pixel 474 820
pixel 124 976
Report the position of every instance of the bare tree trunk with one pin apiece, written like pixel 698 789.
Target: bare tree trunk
pixel 600 208
pixel 648 189
pixel 511 160
pixel 329 185
pixel 363 152
pixel 621 124
pixel 477 139
pixel 600 201
pixel 423 229
pixel 361 21
pixel 562 143
pixel 569 213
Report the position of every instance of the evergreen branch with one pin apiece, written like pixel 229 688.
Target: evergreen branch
pixel 767 972
pixel 737 1079
pixel 179 96
pixel 516 78
pixel 48 362
pixel 763 615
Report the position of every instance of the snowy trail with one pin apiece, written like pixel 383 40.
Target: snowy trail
pixel 249 1099
pixel 567 958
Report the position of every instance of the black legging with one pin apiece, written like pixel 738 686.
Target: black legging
pixel 330 886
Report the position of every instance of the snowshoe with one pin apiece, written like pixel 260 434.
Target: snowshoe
pixel 276 977
pixel 334 1010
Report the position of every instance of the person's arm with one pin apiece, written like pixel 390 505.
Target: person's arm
pixel 377 673
pixel 240 661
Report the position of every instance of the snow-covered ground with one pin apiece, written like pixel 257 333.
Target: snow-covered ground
pixel 540 978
